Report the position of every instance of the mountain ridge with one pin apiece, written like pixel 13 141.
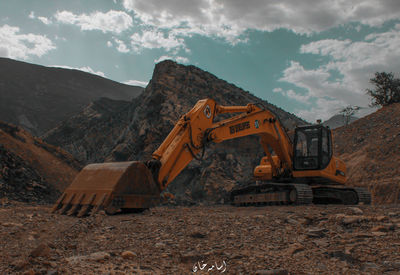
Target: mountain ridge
pixel 37 98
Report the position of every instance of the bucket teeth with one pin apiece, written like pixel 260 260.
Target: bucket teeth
pixel 67 205
pixel 84 210
pixel 58 204
pixel 86 207
pixel 75 207
pixel 99 205
pixel 80 207
pixel 72 210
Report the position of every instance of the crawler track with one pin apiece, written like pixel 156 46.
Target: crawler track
pixel 295 193
pixel 272 194
pixel 363 194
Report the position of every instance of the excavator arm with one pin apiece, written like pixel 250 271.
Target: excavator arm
pixel 197 128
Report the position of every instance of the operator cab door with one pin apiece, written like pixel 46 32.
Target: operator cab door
pixel 312 148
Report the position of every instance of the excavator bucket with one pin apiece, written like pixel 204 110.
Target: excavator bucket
pixel 110 186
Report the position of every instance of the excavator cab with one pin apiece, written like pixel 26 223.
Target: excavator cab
pixel 312 148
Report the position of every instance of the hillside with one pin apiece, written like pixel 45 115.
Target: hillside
pixel 92 133
pixel 38 98
pixel 133 131
pixel 32 170
pixel 370 147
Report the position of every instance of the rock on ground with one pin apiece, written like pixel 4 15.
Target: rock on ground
pixel 176 240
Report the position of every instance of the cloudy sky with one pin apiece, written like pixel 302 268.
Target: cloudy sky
pixel 310 57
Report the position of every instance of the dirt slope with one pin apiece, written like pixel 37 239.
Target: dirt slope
pixel 25 159
pixel 370 147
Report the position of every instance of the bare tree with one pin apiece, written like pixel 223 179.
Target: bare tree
pixel 348 112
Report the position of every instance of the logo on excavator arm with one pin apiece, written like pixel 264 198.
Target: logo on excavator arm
pixel 207 111
pixel 239 127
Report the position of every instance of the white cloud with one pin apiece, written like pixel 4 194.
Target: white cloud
pixel 330 96
pixel 109 44
pixel 230 19
pixel 324 109
pixel 314 81
pixel 16 45
pixel 3 52
pixel 60 38
pixel 136 83
pixel 44 20
pixel 293 95
pixel 179 59
pixel 343 80
pixel 186 18
pixel 164 24
pixel 121 47
pixel 85 69
pixel 151 39
pixel 111 21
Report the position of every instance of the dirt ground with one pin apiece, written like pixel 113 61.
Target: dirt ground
pixel 203 240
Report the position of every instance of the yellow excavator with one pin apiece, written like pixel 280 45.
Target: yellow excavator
pixel 301 171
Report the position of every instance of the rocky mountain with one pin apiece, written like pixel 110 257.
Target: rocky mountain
pixel 93 133
pixel 38 98
pixel 338 121
pixel 370 147
pixel 109 130
pixel 30 169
